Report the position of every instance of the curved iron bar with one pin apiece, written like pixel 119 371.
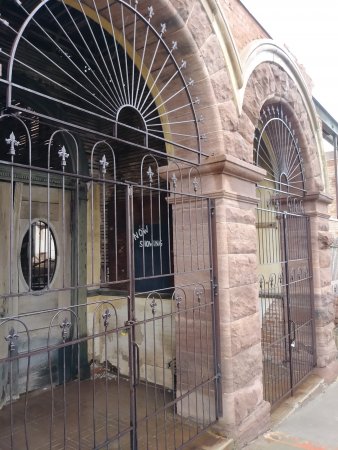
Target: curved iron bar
pixel 10 340
pixel 105 316
pixel 149 27
pixel 65 329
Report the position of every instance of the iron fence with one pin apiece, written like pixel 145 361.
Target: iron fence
pixel 107 329
pixel 285 290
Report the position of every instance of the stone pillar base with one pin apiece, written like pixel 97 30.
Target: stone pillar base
pixel 254 425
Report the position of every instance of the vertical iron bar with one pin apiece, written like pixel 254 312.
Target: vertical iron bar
pixel 160 223
pixel 104 230
pixel 197 243
pixel 11 231
pixel 169 226
pixel 106 382
pixel 64 399
pixel 214 304
pixel 26 393
pixel 155 380
pixel 146 381
pixel 77 228
pixel 131 314
pixel 115 230
pixel 151 230
pixel 173 363
pixel 201 348
pixel 51 422
pixel 287 292
pixel 30 223
pixel 190 234
pixel 79 434
pixel 194 349
pixel 94 387
pixel 11 397
pixel 118 385
pixel 92 226
pixel 309 256
pixel 142 225
pixel 163 379
pixel 335 151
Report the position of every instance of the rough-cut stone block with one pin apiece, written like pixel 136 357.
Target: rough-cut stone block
pixel 257 423
pixel 247 365
pixel 325 258
pixel 325 277
pixel 222 86
pixel 325 315
pixel 241 215
pixel 213 55
pixel 248 399
pixel 223 271
pixel 199 24
pixel 324 335
pixel 183 7
pixel 243 301
pixel 325 240
pixel 245 332
pixel 242 270
pixel 246 129
pixel 241 238
pixel 229 116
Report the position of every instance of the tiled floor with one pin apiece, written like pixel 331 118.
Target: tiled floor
pixel 89 415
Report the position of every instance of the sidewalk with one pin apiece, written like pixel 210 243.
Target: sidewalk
pixel 312 426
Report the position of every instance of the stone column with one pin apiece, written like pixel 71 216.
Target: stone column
pixel 316 206
pixel 232 182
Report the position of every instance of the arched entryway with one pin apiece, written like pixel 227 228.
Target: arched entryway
pixel 285 276
pixel 108 307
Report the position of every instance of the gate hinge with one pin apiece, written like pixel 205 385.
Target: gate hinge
pixel 212 211
pixel 218 374
pixel 130 191
pixel 215 286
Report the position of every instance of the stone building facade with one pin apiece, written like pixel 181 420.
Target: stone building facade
pixel 237 72
pixel 246 70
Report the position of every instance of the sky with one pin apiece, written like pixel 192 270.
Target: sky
pixel 309 29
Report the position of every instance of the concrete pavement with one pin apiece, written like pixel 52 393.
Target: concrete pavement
pixel 313 426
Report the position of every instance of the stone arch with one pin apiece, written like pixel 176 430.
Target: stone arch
pixel 215 62
pixel 270 75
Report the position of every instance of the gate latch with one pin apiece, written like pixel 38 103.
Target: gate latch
pixel 130 323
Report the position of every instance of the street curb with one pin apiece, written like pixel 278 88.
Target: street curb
pixel 310 388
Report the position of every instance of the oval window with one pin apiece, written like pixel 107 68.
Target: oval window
pixel 38 265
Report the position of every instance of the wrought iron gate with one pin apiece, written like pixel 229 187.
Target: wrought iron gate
pixel 285 281
pixel 107 327
pixel 285 296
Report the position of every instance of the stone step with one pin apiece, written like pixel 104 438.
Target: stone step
pixel 210 441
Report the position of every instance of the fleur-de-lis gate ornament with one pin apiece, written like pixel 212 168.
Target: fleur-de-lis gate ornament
pixel 65 328
pixel 153 305
pixel 104 164
pixel 150 174
pixel 12 142
pixel 64 156
pixel 11 338
pixel 106 316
